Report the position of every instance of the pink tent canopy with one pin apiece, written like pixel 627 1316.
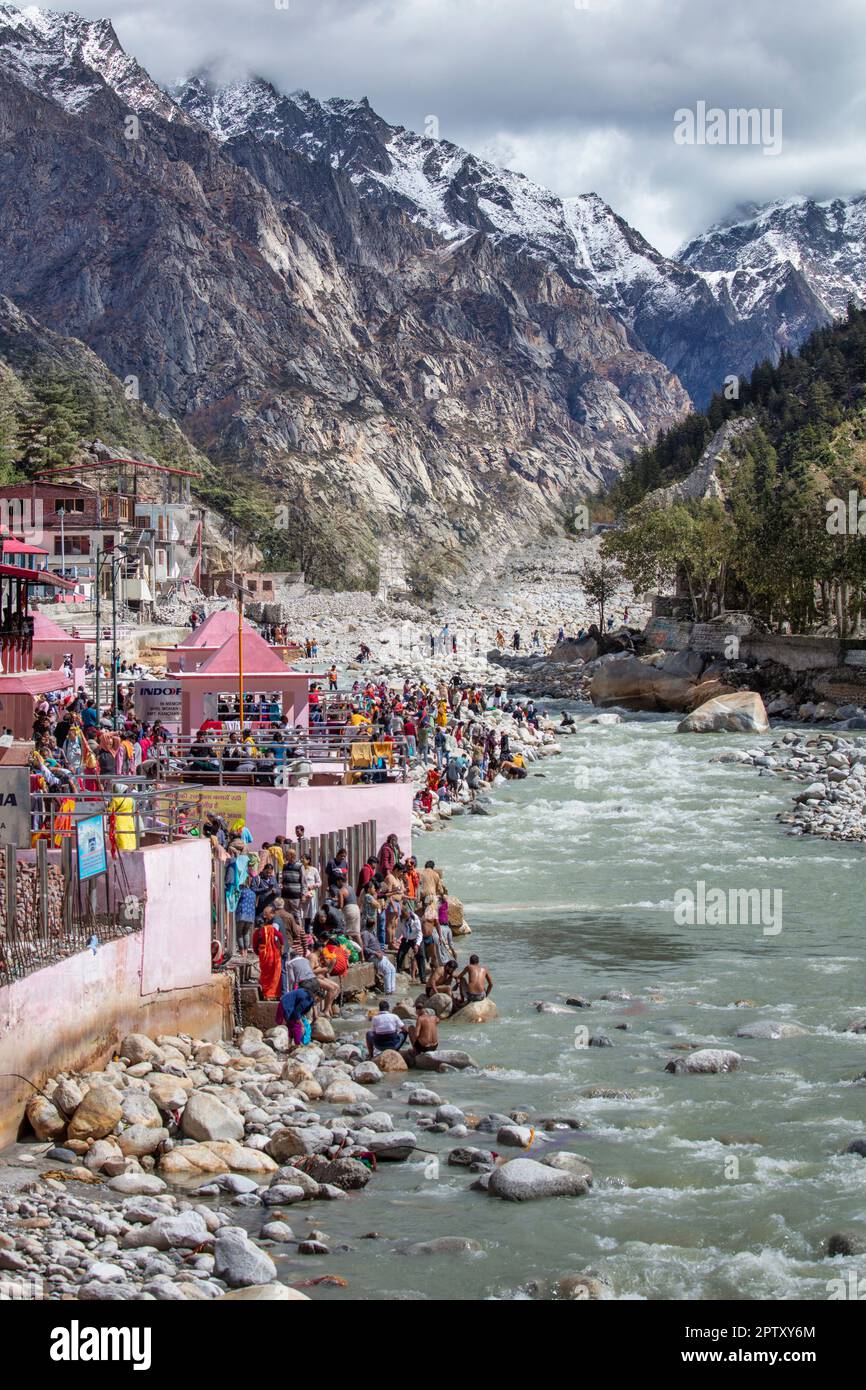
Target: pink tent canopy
pixel 259 659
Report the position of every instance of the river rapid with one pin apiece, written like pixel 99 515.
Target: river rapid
pixel 706 1187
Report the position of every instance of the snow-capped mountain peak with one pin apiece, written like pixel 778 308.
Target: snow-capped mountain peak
pixel 70 59
pixel 759 248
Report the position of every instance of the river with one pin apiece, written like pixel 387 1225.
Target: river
pixel 706 1187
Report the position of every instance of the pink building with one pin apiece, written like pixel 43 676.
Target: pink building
pixel 207 639
pixel 51 643
pixel 264 674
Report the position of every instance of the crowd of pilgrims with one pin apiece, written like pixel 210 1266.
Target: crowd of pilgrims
pixel 443 729
pixel 307 931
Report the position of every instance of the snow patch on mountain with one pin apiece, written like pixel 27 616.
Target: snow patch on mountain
pixel 71 59
pixel 752 256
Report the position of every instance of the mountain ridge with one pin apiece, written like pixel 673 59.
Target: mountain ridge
pixel 377 323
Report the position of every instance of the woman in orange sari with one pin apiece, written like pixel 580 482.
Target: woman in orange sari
pixel 268 945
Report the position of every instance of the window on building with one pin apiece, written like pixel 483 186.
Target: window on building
pixel 267 586
pixel 69 504
pixel 75 545
pixel 123 508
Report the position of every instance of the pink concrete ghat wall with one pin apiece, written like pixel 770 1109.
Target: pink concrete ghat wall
pixel 73 1015
pixel 276 811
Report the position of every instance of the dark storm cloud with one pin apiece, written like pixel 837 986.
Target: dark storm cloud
pixel 578 94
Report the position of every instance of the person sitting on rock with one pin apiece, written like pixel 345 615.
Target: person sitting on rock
pixel 424 1033
pixel 386 1032
pixel 475 981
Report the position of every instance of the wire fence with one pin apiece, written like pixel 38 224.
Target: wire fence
pixel 47 913
pixel 51 905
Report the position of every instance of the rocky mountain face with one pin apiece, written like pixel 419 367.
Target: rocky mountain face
pixel 30 353
pixel 738 295
pixel 789 267
pixel 381 342
pixel 387 386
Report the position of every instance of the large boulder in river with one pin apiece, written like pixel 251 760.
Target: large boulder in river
pixel 439 1002
pixel 524 1180
pixel 442 1057
pixel 640 685
pixel 741 712
pixel 580 649
pixel 394 1147
pixel 240 1263
pixel 192 1161
pixel 479 1011
pixel 391 1061
pixel 295 1141
pixel 771 1029
pixel 706 1060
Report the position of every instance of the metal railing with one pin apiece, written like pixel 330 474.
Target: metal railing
pixel 48 914
pixel 160 812
pixel 335 751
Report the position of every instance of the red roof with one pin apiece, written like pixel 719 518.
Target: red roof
pixel 46 630
pixel 35 576
pixel 33 682
pixel 259 660
pixel 13 547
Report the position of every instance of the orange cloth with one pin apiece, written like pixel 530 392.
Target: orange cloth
pixel 269 962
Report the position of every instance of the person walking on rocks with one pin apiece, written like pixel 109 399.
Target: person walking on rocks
pixel 411 940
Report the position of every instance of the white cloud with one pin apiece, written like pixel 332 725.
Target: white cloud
pixel 581 99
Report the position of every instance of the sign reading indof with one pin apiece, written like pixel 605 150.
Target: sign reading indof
pixel 158 700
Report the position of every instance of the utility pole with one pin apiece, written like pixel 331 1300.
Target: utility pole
pixel 62 512
pixel 98 616
pixel 113 642
pixel 241 654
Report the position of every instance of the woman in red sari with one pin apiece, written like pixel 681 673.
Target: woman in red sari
pixel 268 945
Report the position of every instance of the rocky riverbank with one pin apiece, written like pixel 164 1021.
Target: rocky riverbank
pixel 134 1183
pixel 832 768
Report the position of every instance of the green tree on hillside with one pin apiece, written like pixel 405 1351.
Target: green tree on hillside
pixel 52 422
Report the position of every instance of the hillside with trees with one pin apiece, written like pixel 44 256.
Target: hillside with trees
pixel 788 540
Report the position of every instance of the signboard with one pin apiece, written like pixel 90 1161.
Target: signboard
pixel 15 806
pixel 225 802
pixel 91 847
pixel 158 699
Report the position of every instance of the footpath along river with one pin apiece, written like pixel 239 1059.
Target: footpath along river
pixel 569 887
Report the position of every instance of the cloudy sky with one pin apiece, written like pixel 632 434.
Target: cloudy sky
pixel 578 94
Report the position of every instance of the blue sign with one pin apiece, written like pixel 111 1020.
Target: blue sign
pixel 91 847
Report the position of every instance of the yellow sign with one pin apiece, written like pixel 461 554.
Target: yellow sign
pixel 225 802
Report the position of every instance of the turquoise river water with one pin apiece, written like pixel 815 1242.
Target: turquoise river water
pixel 706 1187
